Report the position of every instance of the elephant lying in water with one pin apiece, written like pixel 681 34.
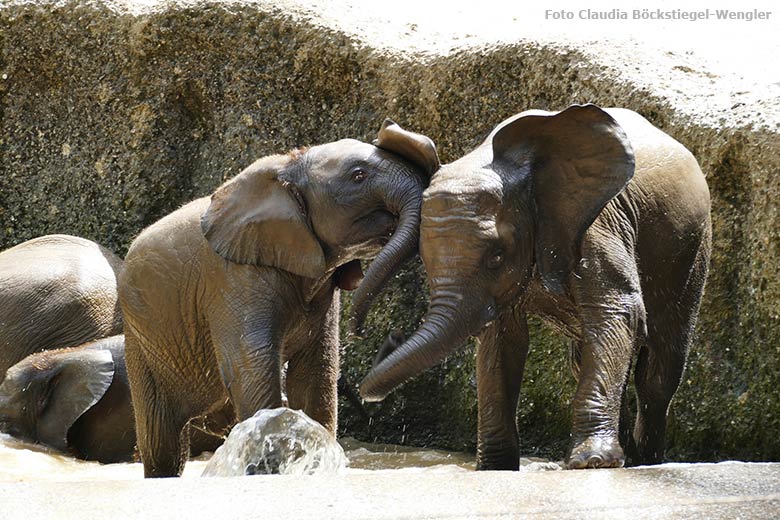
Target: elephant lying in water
pixel 77 400
pixel 593 219
pixel 56 291
pixel 221 294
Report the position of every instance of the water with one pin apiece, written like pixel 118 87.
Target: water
pixel 384 482
pixel 22 461
pixel 279 441
pixel 274 441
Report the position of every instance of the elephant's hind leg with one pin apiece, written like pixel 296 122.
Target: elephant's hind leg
pixel 163 440
pixel 671 322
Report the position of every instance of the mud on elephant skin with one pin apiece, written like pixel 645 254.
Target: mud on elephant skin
pixel 77 400
pixel 56 291
pixel 219 296
pixel 599 223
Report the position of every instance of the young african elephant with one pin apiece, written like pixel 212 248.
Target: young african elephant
pixel 56 291
pixel 73 399
pixel 77 400
pixel 220 294
pixel 593 219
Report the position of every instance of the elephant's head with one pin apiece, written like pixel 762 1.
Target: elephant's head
pixel 518 204
pixel 45 393
pixel 316 211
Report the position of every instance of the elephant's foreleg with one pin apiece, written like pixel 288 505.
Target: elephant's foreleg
pixel 501 356
pixel 608 296
pixel 252 376
pixel 313 372
pixel 606 355
pixel 249 362
pixel 626 441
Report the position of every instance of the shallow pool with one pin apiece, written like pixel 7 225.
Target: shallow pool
pixel 22 461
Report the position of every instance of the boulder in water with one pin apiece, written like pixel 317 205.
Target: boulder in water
pixel 277 441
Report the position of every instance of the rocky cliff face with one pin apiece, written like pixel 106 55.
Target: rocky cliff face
pixel 114 114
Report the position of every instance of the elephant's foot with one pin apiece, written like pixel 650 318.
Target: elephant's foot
pixel 498 458
pixel 498 464
pixel 597 451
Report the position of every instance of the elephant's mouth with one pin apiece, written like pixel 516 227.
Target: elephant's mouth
pixel 349 275
pixel 376 228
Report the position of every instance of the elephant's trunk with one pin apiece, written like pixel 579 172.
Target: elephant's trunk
pixel 401 246
pixel 446 326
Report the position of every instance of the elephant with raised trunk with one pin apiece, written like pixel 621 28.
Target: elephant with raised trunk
pixel 220 295
pixel 596 221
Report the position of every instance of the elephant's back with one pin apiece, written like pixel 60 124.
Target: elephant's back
pixel 165 289
pixel 668 181
pixel 162 256
pixel 56 291
pixel 176 234
pixel 669 202
pixel 54 256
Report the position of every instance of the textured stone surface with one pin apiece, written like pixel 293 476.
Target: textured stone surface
pixel 113 114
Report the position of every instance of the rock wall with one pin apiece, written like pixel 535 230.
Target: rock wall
pixel 111 118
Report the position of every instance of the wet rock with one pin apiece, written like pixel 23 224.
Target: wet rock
pixel 278 441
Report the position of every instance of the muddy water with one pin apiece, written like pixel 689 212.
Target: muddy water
pixel 386 482
pixel 21 461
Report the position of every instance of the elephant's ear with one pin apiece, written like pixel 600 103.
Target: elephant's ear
pixel 75 386
pixel 415 148
pixel 259 218
pixel 578 160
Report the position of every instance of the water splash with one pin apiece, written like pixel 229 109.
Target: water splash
pixel 281 441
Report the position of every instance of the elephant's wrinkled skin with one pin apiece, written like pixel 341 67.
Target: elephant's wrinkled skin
pixel 77 400
pixel 56 291
pixel 595 220
pixel 220 294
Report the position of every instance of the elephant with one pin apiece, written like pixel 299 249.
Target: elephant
pixel 74 399
pixel 594 220
pixel 230 292
pixel 56 291
pixel 77 400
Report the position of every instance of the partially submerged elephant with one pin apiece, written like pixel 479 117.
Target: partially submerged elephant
pixel 77 400
pixel 221 294
pixel 56 291
pixel 593 219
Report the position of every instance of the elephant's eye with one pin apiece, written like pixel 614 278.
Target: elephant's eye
pixel 358 175
pixel 496 260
